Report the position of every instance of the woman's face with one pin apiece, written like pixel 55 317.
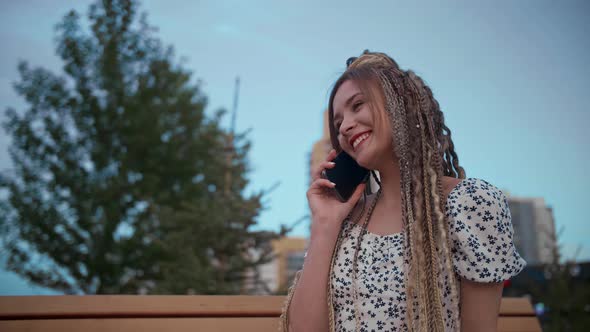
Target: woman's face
pixel 360 132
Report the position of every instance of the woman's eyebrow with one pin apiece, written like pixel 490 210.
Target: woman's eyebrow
pixel 349 101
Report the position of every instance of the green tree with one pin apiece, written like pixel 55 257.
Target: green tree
pixel 121 183
pixel 566 297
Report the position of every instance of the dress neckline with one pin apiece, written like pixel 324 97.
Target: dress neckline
pixel 397 234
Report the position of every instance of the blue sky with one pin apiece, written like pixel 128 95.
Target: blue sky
pixel 509 76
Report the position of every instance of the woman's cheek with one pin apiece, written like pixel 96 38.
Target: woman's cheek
pixel 341 142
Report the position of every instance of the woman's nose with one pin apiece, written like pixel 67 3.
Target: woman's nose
pixel 346 127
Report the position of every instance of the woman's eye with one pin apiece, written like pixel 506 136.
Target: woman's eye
pixel 357 105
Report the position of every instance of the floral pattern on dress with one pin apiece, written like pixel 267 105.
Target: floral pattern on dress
pixel 482 251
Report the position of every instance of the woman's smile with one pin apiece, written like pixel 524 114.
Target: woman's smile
pixel 360 140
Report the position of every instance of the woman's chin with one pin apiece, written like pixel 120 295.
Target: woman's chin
pixel 369 158
pixel 362 160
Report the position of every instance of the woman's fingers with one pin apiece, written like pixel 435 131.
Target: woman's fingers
pixel 325 165
pixel 331 155
pixel 317 172
pixel 320 184
pixel 356 195
pixel 321 187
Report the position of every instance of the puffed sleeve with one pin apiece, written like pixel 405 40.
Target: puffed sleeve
pixel 481 232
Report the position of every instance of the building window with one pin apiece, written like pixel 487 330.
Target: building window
pixel 294 264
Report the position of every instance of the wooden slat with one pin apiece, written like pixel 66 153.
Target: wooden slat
pixel 201 313
pixel 505 324
pixel 173 305
pixel 519 324
pixel 144 325
pixel 27 307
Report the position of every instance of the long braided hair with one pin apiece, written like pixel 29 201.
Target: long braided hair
pixel 425 152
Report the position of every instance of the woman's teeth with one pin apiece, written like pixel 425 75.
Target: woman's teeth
pixel 360 139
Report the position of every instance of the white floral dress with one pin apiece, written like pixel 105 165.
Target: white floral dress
pixel 482 251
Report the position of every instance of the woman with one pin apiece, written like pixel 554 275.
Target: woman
pixel 428 250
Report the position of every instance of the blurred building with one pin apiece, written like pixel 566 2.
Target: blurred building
pixel 534 229
pixel 277 275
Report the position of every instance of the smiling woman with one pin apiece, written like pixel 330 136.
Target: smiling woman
pixel 433 247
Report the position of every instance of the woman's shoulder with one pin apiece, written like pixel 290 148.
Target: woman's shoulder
pixel 475 191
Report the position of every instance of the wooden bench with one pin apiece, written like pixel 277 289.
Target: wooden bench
pixel 99 313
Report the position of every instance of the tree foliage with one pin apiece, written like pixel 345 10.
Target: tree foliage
pixel 120 182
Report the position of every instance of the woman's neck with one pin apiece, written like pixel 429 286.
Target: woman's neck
pixel 390 176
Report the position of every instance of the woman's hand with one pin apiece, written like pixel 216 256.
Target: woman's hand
pixel 327 212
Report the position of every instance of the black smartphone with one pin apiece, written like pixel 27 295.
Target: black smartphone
pixel 347 174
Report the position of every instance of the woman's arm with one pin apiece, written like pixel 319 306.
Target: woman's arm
pixel 480 305
pixel 309 310
pixel 307 303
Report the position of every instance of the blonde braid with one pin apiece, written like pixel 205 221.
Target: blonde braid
pixel 434 233
pixel 398 119
pixel 436 320
pixel 439 206
pixel 445 240
pixel 397 116
pixel 424 310
pixel 432 263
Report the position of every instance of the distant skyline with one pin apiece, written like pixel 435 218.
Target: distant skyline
pixel 511 79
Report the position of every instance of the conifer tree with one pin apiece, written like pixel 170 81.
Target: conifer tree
pixel 120 181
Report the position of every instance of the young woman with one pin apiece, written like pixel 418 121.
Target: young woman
pixel 429 249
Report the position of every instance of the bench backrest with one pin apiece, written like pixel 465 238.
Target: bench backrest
pixel 99 313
